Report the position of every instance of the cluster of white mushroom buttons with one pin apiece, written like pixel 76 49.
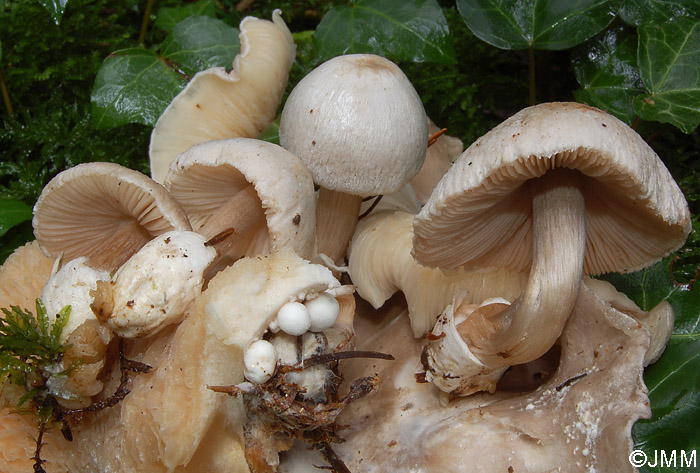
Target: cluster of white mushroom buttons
pixel 315 314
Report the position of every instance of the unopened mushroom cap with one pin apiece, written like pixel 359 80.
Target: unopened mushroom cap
pixel 209 174
pixel 219 103
pixel 358 124
pixel 83 207
pixel 480 213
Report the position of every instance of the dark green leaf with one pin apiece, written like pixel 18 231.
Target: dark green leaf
pixel 417 31
pixel 168 17
pixel 637 12
pixel 136 85
pixel 200 42
pixel 674 380
pixel 606 69
pixel 55 8
pixel 669 55
pixel 13 212
pixel 271 133
pixel 541 24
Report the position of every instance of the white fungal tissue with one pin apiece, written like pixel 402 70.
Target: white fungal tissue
pixel 259 360
pixel 71 285
pixel 316 313
pixel 156 285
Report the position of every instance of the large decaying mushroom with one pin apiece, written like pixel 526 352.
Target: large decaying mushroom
pixel 221 103
pixel 359 125
pixel 258 189
pixel 103 211
pixel 579 420
pixel 561 189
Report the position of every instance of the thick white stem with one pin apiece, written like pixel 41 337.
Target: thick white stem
pixel 336 217
pixel 531 325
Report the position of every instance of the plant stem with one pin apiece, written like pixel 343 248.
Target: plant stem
pixel 531 61
pixel 144 23
pixel 5 95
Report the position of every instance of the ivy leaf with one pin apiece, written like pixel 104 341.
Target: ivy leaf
pixel 540 24
pixel 136 85
pixel 637 12
pixel 55 8
pixel 415 32
pixel 606 69
pixel 272 132
pixel 13 212
pixel 168 17
pixel 669 55
pixel 674 380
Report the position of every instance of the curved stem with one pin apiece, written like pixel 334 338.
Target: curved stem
pixel 5 95
pixel 145 21
pixel 531 325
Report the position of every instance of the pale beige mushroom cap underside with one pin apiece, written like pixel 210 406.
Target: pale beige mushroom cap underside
pixel 209 174
pixel 480 213
pixel 220 103
pixel 83 207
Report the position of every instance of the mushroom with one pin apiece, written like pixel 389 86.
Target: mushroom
pixel 221 103
pixel 579 419
pixel 360 127
pixel 103 211
pixel 380 264
pixel 260 190
pixel 155 287
pixel 564 190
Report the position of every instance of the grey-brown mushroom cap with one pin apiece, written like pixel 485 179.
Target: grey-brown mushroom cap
pixel 82 207
pixel 358 124
pixel 209 174
pixel 480 213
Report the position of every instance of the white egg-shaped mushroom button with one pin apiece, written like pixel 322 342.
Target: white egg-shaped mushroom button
pixel 293 318
pixel 104 211
pixel 260 190
pixel 155 286
pixel 359 125
pixel 323 311
pixel 259 360
pixel 563 189
pixel 221 103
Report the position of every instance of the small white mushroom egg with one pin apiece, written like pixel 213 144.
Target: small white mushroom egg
pixel 259 360
pixel 324 310
pixel 294 318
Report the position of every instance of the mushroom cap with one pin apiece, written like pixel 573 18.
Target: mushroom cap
pixel 480 213
pixel 209 174
pixel 221 103
pixel 23 275
pixel 358 124
pixel 82 207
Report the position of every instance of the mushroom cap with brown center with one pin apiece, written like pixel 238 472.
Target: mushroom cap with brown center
pixel 358 124
pixel 82 208
pixel 480 213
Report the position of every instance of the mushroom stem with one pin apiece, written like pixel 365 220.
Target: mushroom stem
pixel 531 325
pixel 336 217
pixel 129 237
pixel 241 212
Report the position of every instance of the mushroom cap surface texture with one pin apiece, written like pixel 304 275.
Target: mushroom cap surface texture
pixel 480 212
pixel 221 103
pixel 209 174
pixel 358 124
pixel 82 207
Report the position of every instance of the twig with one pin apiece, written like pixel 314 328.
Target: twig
pixel 432 139
pixel 146 19
pixel 371 207
pixel 5 95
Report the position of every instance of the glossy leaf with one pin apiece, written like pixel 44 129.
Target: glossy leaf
pixel 55 8
pixel 12 213
pixel 637 12
pixel 136 85
pixel 415 32
pixel 541 24
pixel 199 42
pixel 606 69
pixel 669 55
pixel 674 380
pixel 168 17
